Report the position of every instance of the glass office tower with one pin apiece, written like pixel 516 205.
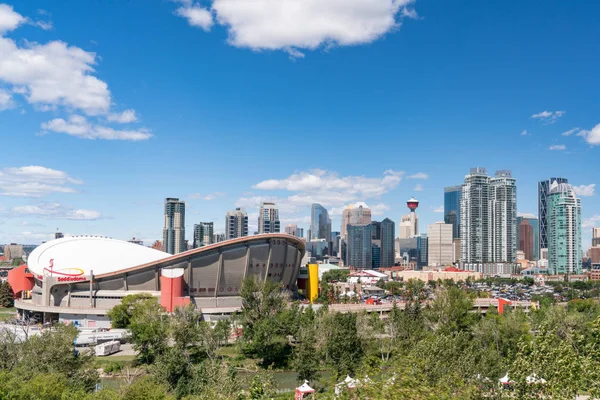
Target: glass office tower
pixel 452 208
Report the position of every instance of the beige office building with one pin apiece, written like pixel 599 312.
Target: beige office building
pixel 13 251
pixel 440 246
pixel 355 214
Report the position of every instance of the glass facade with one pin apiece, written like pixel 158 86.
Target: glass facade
pixel 452 208
pixel 203 234
pixel 543 190
pixel 414 249
pixel 359 252
pixel 375 256
pixel 563 224
pixel 320 224
pixel 535 224
pixel 387 236
pixel 174 229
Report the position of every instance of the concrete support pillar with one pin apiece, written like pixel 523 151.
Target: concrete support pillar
pixel 220 271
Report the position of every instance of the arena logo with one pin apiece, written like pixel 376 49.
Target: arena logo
pixel 64 275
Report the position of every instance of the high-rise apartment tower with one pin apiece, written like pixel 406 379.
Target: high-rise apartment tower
pixel 174 229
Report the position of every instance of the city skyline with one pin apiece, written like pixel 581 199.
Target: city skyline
pixel 64 172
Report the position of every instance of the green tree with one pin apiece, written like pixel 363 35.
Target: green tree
pixel 395 288
pixel 149 327
pixel 307 358
pixel 267 322
pixel 343 346
pixel 120 315
pixel 146 389
pixel 451 311
pixel 52 352
pixel 415 289
pixel 17 262
pixel 6 295
pixel 547 367
pixel 147 321
pixel 336 275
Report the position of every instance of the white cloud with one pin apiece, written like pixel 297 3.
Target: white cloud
pixel 80 127
pixel 55 76
pixel 439 209
pixel 524 133
pixel 330 184
pixel 591 222
pixel 6 100
pixel 9 19
pixel 570 132
pixel 291 25
pixel 548 117
pixel 210 196
pixel 196 16
pixel 418 175
pixel 45 25
pixel 27 237
pixel 319 186
pixel 379 209
pixel 35 181
pixel 558 147
pixel 585 190
pixel 55 211
pixel 592 136
pixel 418 188
pixel 295 219
pixel 125 117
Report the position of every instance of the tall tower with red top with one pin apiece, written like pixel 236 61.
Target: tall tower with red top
pixel 409 224
pixel 412 204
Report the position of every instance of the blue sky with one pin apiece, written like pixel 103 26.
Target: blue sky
pixel 109 107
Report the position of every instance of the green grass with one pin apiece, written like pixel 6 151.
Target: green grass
pixel 229 351
pixel 7 310
pixel 125 360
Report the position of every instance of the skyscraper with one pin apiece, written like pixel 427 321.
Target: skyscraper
pixel 440 246
pixel 375 255
pixel 526 242
pixel 320 223
pixel 543 190
pixel 358 213
pixel 236 224
pixel 596 236
pixel 387 236
pixel 359 251
pixel 268 218
pixel 503 209
pixel 292 229
pixel 452 208
pixel 535 225
pixel 488 215
pixel 409 224
pixel 376 230
pixel 475 217
pixel 174 229
pixel 563 229
pixel 415 250
pixel 335 244
pixel 203 234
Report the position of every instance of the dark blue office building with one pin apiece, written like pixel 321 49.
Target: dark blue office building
pixel 452 208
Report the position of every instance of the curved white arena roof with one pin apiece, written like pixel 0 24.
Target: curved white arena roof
pixel 78 256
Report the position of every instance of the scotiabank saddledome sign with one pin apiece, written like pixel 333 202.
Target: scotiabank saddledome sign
pixel 63 275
